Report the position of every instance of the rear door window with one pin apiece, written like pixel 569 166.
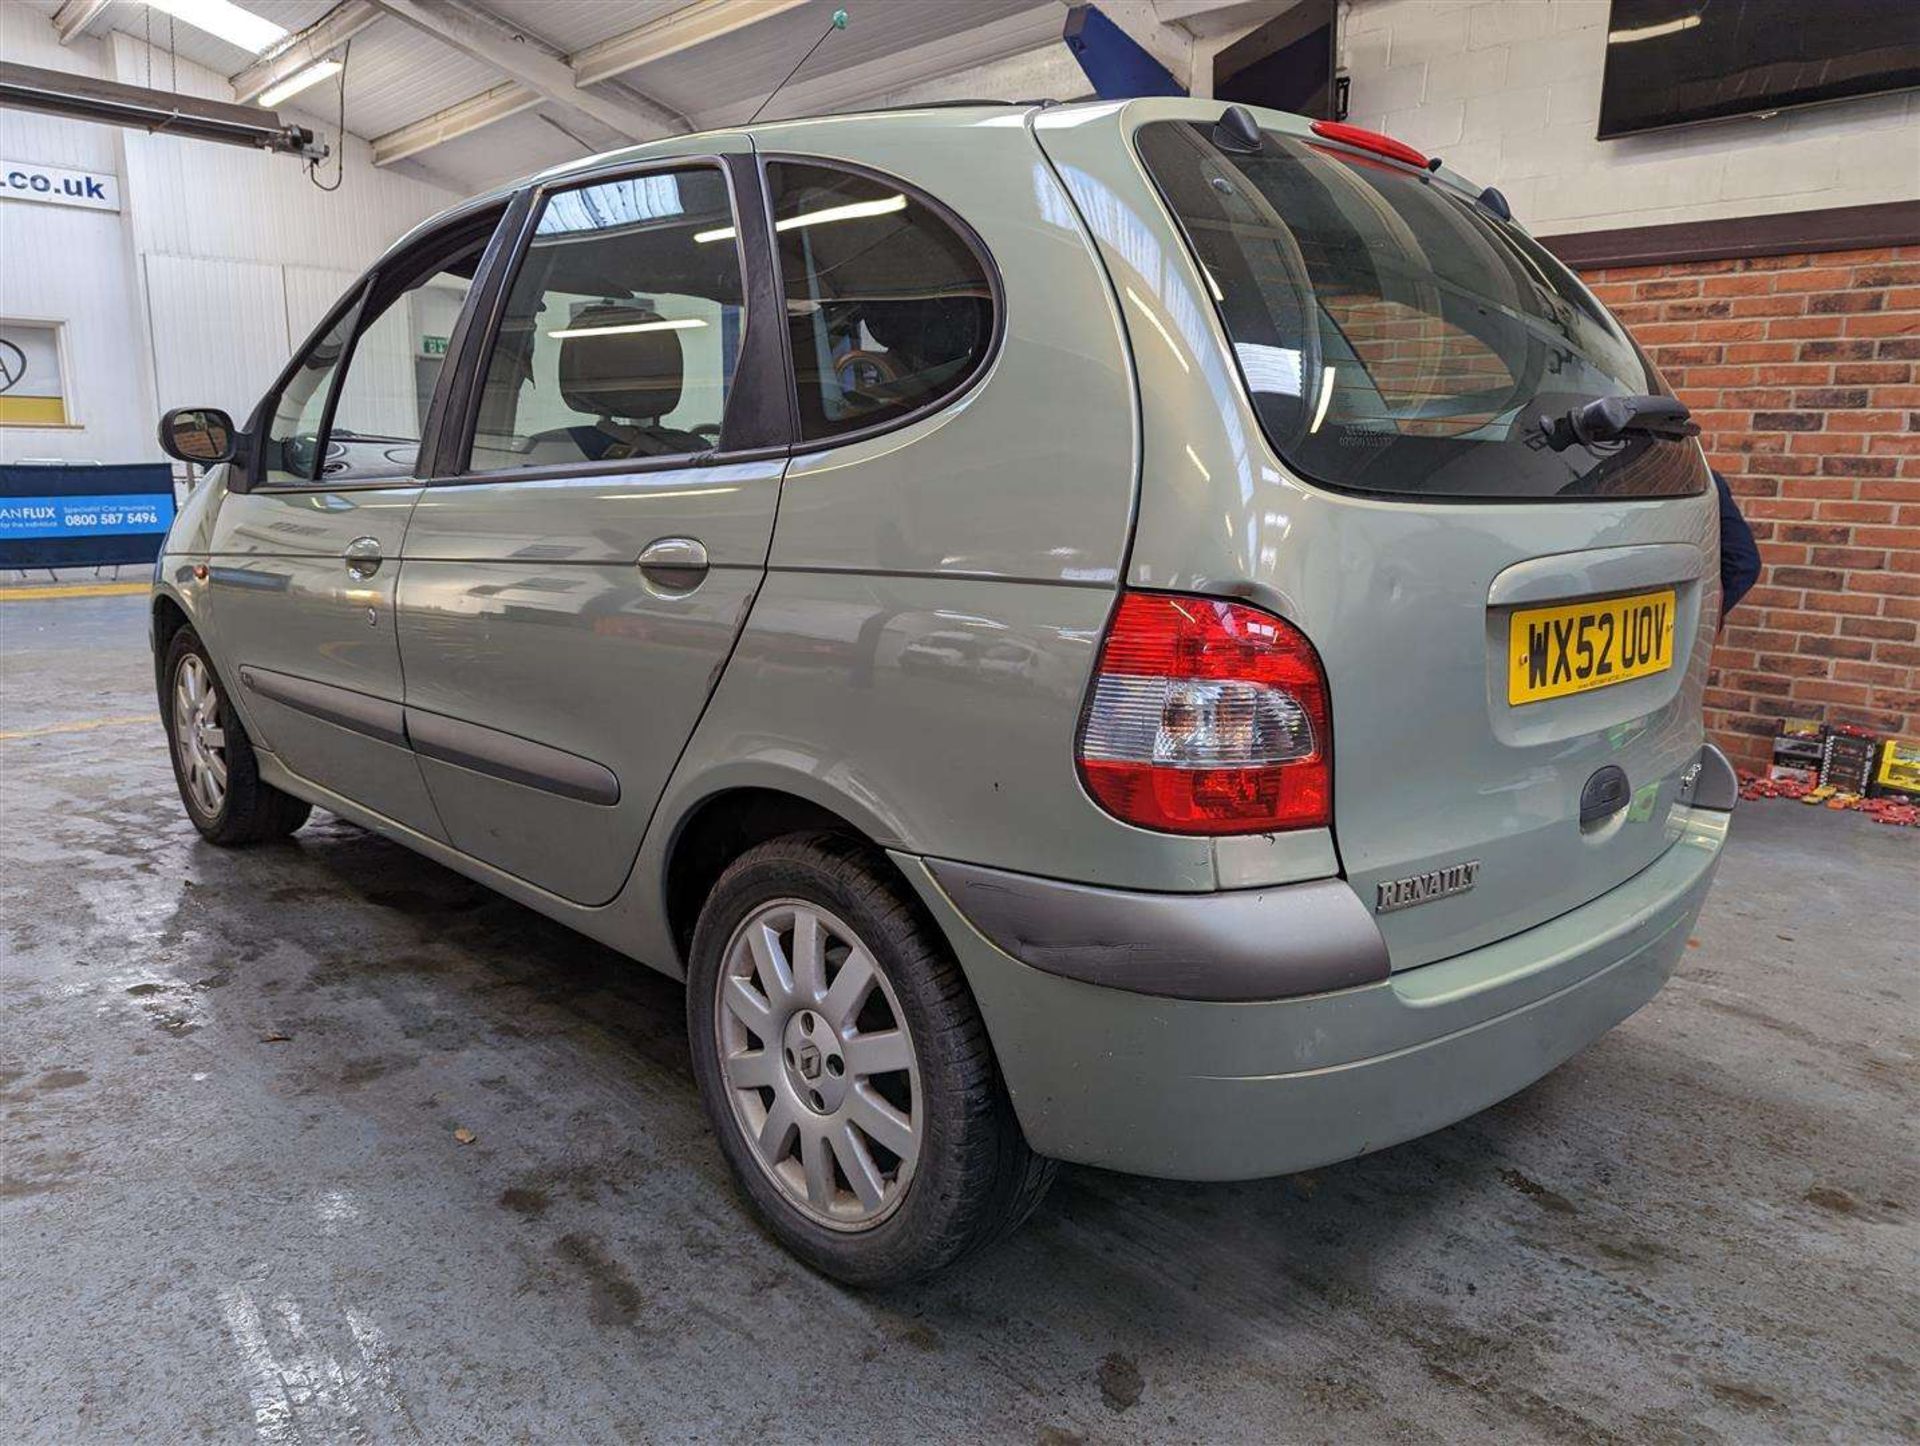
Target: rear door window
pixel 890 309
pixel 621 332
pixel 1396 337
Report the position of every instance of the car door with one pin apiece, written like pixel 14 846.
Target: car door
pixel 572 588
pixel 304 553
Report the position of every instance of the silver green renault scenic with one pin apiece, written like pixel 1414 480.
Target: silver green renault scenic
pixel 1151 634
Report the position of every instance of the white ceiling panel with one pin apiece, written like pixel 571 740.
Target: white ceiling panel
pixel 748 64
pixel 504 151
pixel 572 25
pixel 397 74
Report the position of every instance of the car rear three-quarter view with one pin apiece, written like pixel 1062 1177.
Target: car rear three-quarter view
pixel 1413 631
pixel 1148 634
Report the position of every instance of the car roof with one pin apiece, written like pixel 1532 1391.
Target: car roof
pixel 936 114
pixel 928 115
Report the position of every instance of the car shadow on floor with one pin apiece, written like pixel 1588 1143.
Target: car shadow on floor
pixel 501 969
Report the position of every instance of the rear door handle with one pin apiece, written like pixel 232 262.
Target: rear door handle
pixel 363 558
pixel 673 563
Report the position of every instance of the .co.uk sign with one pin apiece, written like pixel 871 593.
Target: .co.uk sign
pixel 25 181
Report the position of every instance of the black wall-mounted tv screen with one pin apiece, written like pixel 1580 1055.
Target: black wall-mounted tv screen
pixel 1671 62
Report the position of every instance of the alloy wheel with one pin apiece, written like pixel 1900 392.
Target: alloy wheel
pixel 199 741
pixel 819 1064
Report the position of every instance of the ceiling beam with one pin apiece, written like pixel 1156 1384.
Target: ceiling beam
pixel 698 23
pixel 916 65
pixel 456 120
pixel 304 48
pixel 1209 19
pixel 73 19
pixel 537 67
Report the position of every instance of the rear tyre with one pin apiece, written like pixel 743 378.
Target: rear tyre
pixel 213 759
pixel 845 1070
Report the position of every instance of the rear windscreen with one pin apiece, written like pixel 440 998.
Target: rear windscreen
pixel 1395 336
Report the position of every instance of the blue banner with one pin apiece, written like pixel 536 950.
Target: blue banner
pixel 40 518
pixel 80 516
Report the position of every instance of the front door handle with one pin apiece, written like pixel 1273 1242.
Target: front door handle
pixel 674 564
pixel 363 558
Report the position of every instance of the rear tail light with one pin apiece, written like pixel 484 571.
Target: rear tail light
pixel 1207 717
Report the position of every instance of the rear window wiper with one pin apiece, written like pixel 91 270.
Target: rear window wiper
pixel 1606 419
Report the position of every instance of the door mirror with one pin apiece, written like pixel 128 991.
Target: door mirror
pixel 203 435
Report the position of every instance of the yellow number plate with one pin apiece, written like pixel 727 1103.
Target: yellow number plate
pixel 1552 652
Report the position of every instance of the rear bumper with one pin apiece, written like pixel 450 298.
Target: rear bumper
pixel 1221 1089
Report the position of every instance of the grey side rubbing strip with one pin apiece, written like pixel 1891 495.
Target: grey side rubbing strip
pixel 1238 946
pixel 375 717
pixel 518 760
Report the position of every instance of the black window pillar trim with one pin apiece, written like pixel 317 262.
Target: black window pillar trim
pixel 478 324
pixel 438 438
pixel 759 411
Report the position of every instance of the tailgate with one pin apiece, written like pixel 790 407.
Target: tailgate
pixel 1458 810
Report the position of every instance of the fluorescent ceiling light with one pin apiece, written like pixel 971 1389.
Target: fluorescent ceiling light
pixel 300 80
pixel 1651 32
pixel 851 212
pixel 226 20
pixel 685 323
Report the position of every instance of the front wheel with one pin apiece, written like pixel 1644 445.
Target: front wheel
pixel 845 1069
pixel 213 759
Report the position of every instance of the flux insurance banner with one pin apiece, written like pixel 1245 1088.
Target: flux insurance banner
pixel 74 516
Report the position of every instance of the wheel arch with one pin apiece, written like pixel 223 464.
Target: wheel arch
pixel 168 614
pixel 726 821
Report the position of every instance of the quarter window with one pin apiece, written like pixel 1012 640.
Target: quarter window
pixel 890 309
pixel 621 332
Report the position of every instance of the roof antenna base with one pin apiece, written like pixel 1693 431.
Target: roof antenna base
pixel 1237 131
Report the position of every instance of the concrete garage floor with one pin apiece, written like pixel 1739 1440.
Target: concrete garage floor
pixel 1703 1229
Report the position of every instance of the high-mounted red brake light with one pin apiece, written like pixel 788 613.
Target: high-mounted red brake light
pixel 1207 717
pixel 1367 140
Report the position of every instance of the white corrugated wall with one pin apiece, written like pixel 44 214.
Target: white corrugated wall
pixel 219 331
pixel 220 260
pixel 75 267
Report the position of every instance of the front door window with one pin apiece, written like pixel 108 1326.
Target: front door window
pixel 378 406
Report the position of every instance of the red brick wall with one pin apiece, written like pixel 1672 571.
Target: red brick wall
pixel 1804 372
